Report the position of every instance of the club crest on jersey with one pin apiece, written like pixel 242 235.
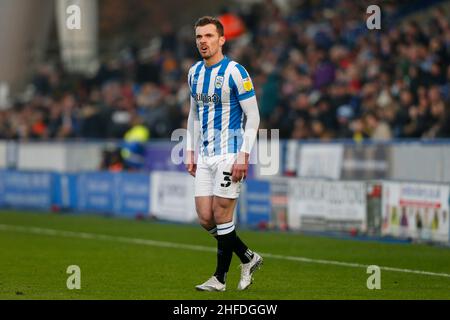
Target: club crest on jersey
pixel 247 84
pixel 218 82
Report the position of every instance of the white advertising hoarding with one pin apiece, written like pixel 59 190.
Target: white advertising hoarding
pixel 59 156
pixel 416 211
pixel 339 202
pixel 3 162
pixel 320 161
pixel 172 196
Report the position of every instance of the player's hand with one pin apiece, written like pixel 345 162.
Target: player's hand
pixel 240 167
pixel 191 166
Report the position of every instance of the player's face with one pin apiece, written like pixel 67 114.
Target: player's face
pixel 209 43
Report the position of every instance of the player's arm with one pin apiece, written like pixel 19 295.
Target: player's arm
pixel 249 105
pixel 192 137
pixel 250 108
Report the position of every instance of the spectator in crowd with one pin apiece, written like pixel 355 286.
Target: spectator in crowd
pixel 377 129
pixel 133 146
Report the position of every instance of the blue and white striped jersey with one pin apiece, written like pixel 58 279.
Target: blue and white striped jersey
pixel 217 91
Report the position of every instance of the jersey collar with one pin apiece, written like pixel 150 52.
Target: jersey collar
pixel 217 64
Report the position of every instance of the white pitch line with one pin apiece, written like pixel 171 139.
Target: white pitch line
pixel 165 244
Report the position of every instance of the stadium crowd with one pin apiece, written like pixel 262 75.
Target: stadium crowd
pixel 319 73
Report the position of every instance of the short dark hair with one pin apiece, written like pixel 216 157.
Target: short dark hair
pixel 205 20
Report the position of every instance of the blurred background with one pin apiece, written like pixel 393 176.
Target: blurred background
pixel 319 72
pixel 352 105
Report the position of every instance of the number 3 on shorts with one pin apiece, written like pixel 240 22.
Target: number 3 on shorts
pixel 226 179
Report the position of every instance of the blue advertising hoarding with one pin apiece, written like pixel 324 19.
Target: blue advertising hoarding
pixel 256 204
pixel 122 194
pixel 65 195
pixel 118 193
pixel 27 190
pixel 133 191
pixel 96 192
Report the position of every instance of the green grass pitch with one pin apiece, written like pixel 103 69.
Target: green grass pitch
pixel 128 259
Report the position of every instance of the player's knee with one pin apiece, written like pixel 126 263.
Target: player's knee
pixel 206 223
pixel 205 218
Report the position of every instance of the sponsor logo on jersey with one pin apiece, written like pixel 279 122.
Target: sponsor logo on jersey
pixel 247 84
pixel 205 98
